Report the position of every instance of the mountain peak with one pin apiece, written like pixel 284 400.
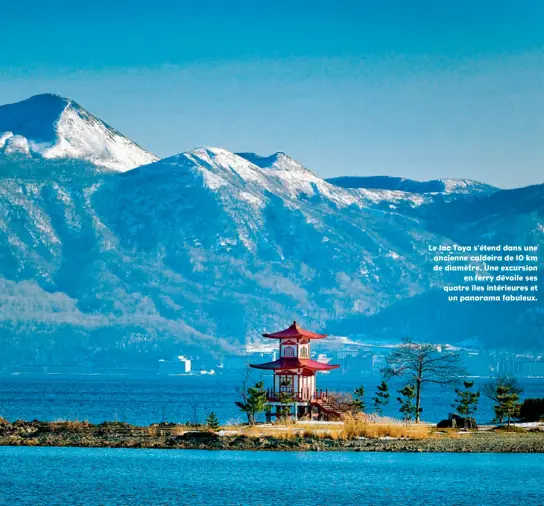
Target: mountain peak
pixel 54 127
pixel 278 161
pixel 48 97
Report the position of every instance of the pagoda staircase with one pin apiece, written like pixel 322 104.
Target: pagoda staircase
pixel 327 409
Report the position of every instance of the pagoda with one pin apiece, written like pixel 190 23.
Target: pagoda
pixel 295 374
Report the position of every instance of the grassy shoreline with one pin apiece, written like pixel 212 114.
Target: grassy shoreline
pixel 290 437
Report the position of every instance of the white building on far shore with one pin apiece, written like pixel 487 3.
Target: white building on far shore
pixel 179 365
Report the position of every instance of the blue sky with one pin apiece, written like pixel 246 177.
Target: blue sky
pixel 422 89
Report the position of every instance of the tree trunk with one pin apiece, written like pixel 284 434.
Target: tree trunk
pixel 418 399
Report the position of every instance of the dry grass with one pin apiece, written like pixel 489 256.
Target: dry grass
pixel 352 427
pixel 176 430
pixel 512 428
pixel 446 432
pixel 61 424
pixel 153 431
pixel 359 426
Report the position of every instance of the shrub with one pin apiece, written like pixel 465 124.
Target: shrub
pixel 532 410
pixel 308 434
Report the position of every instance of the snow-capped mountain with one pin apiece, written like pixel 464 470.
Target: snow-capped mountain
pixel 56 128
pixel 206 249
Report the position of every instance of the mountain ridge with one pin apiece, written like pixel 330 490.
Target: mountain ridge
pixel 442 185
pixel 204 250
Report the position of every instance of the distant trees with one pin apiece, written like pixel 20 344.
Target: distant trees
pixel 423 363
pixel 381 398
pixel 466 402
pixel 407 406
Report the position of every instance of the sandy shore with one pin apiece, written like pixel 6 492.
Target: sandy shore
pixel 122 435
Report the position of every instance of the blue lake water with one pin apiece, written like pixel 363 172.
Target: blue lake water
pixel 93 476
pixel 141 399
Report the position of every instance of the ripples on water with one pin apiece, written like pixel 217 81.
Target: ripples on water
pixel 91 476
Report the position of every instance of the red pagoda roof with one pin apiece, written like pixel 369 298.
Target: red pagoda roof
pixel 295 332
pixel 295 363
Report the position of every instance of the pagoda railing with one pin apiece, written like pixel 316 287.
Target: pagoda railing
pixel 304 395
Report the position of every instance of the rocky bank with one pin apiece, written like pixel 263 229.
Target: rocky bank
pixel 123 435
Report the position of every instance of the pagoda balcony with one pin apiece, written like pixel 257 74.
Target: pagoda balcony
pixel 305 395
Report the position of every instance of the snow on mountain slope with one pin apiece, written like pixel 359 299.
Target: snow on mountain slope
pixel 445 186
pixel 204 250
pixel 293 174
pixel 52 127
pixel 247 192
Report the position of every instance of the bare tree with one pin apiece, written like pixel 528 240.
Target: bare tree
pixel 342 402
pixel 195 404
pixel 242 389
pixel 423 363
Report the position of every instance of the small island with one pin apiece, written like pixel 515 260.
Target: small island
pixel 352 434
pixel 308 419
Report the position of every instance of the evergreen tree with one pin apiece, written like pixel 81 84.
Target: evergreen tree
pixel 423 363
pixel 212 421
pixel 381 399
pixel 286 399
pixel 358 403
pixel 408 409
pixel 254 401
pixel 466 402
pixel 508 405
pixel 490 388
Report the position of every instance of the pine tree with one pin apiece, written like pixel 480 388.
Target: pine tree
pixel 407 406
pixel 286 399
pixel 508 404
pixel 254 401
pixel 212 421
pixel 491 389
pixel 381 399
pixel 358 403
pixel 466 403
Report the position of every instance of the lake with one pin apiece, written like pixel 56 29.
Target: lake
pixel 93 476
pixel 144 399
